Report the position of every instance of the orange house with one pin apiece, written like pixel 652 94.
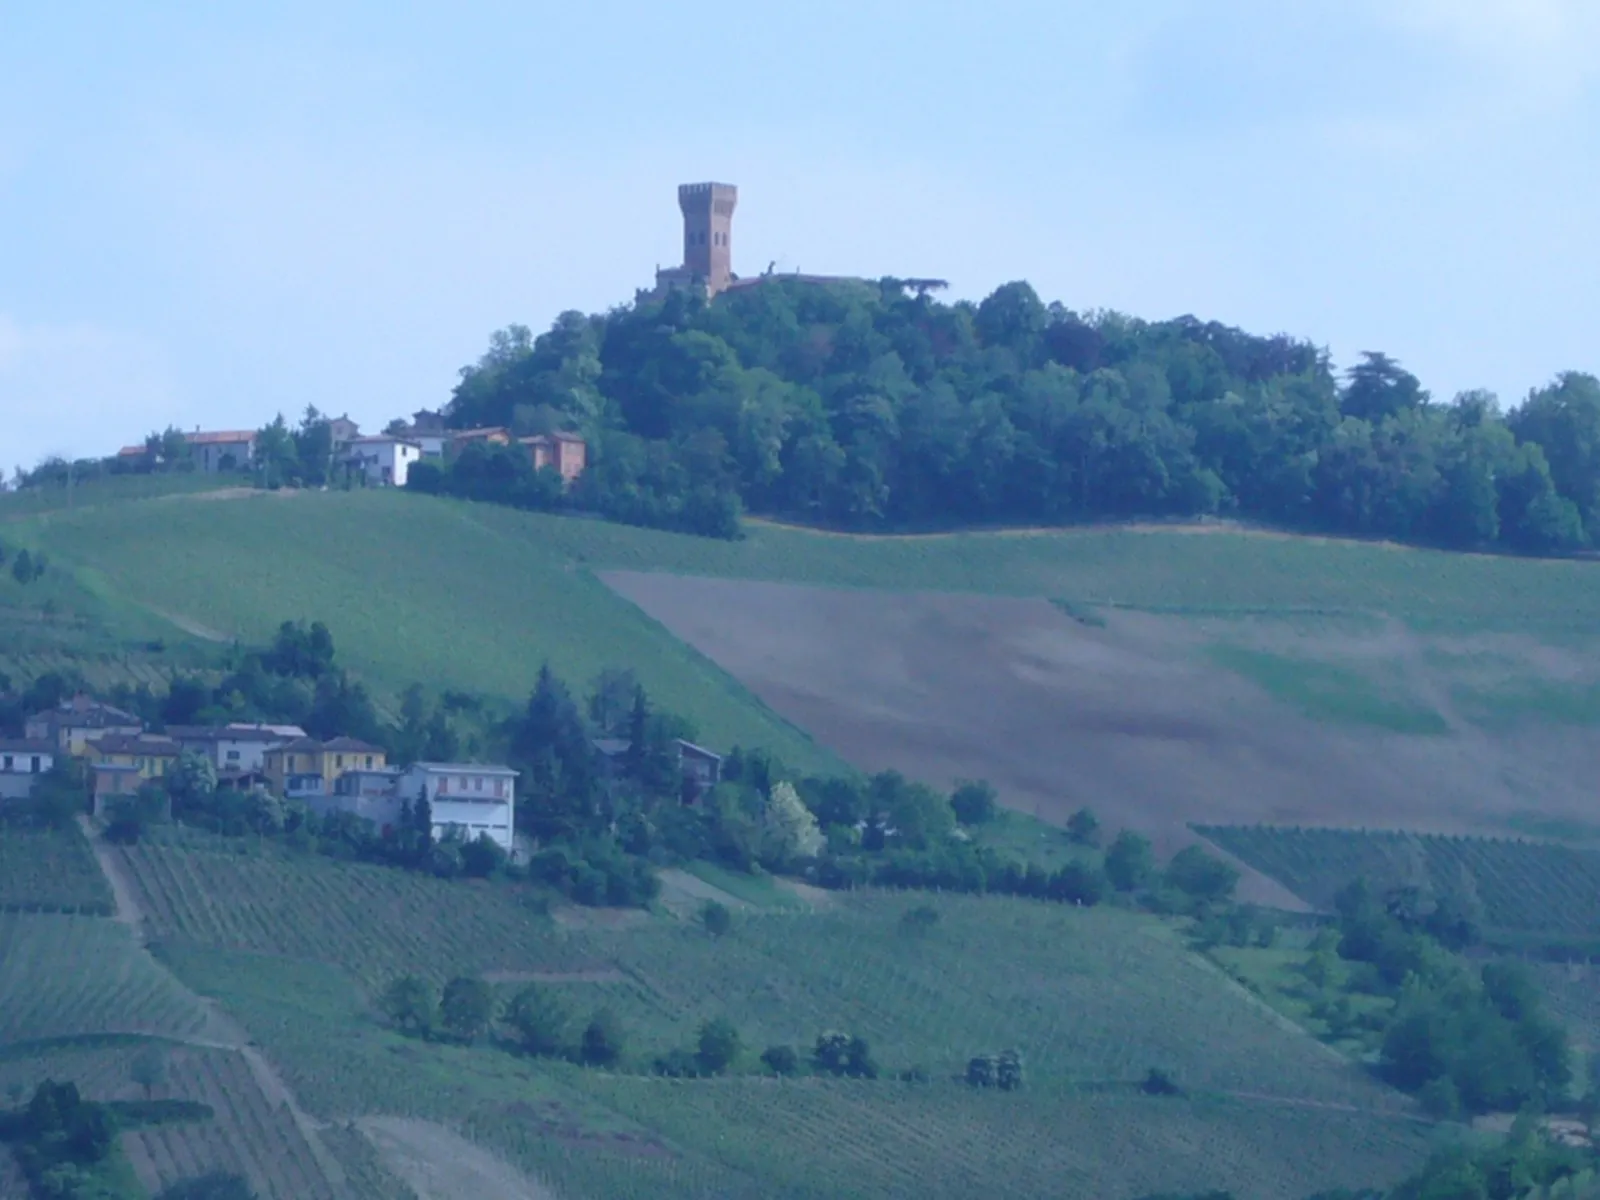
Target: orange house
pixel 566 452
pixel 489 435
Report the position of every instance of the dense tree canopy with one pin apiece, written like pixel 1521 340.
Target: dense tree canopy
pixel 865 405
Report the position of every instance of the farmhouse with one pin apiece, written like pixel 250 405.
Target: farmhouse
pixel 427 431
pixel 467 800
pixel 698 765
pixel 382 461
pixel 488 435
pixel 21 764
pixel 71 726
pixel 342 431
pixel 566 452
pixel 122 763
pixel 222 450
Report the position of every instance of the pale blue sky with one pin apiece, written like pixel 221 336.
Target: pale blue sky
pixel 209 217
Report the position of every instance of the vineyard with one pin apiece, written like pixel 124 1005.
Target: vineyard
pixel 1515 886
pixel 813 1139
pixel 249 1136
pixel 66 976
pixel 374 922
pixel 51 871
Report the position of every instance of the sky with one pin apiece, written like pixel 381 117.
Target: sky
pixel 210 214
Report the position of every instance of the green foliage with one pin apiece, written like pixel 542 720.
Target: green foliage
pixel 920 920
pixel 844 1055
pixel 540 1020
pixel 975 802
pixel 1200 876
pixel 466 1008
pixel 1130 861
pixel 51 870
pixel 1535 894
pixel 604 1040
pixel 716 918
pixel 1083 827
pixel 717 1047
pixel 409 1005
pixel 871 407
pixel 149 1069
pixel 781 1060
pixel 1160 1082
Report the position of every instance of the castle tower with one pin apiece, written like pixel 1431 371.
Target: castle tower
pixel 707 225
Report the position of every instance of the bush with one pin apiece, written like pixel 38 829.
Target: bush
pixel 975 802
pixel 603 1040
pixel 1078 883
pixel 716 918
pixel 1201 876
pixel 717 1047
pixel 781 1060
pixel 920 920
pixel 1083 827
pixel 467 1007
pixel 1130 862
pixel 540 1021
pixel 482 857
pixel 1159 1082
pixel 408 1004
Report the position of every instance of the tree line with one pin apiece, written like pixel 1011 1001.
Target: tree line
pixel 868 406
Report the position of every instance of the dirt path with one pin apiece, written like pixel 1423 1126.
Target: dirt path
pixel 439 1164
pixel 222 1031
pixel 684 893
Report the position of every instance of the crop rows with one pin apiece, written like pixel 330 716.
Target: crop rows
pixel 372 922
pixel 63 976
pixel 53 871
pixel 247 1136
pixel 1515 885
pixel 816 1139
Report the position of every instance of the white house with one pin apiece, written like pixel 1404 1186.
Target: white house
pixel 234 749
pixel 470 798
pixel 383 460
pixel 21 764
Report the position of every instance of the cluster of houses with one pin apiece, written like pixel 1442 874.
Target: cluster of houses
pixel 341 774
pixel 338 775
pixel 385 460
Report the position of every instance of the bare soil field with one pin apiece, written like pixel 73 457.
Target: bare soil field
pixel 438 1164
pixel 1136 717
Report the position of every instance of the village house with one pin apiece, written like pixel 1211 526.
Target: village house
pixel 566 452
pixel 21 764
pixel 73 724
pixel 306 768
pixel 428 432
pixel 236 751
pixel 465 800
pixel 342 431
pixel 222 450
pixel 695 763
pixel 382 461
pixel 121 763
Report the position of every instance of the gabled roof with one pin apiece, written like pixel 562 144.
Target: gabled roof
pixel 145 744
pixel 690 748
pixel 438 768
pixel 302 745
pixel 228 733
pixel 220 437
pixel 90 715
pixel 349 745
pixel 485 431
pixel 244 728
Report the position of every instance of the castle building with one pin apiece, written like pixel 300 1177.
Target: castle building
pixel 707 238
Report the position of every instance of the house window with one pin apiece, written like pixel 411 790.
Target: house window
pixel 499 788
pixel 338 760
pixel 444 785
pixel 477 784
pixel 7 762
pixel 369 762
pixel 233 755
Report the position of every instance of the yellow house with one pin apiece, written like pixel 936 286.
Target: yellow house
pixel 121 763
pixel 307 767
pixel 75 725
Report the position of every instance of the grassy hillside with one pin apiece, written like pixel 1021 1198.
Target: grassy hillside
pixel 414 591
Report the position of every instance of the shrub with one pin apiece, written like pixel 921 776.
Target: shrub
pixel 467 1008
pixel 717 1047
pixel 540 1021
pixel 1159 1082
pixel 981 1071
pixel 1008 1071
pixel 1083 827
pixel 975 802
pixel 603 1040
pixel 408 1004
pixel 716 918
pixel 781 1060
pixel 1130 862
